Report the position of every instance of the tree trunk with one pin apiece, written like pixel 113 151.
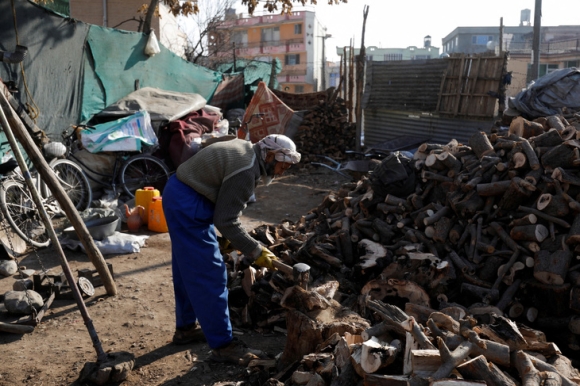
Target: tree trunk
pixel 149 16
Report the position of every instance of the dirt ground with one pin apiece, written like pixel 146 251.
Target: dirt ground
pixel 140 319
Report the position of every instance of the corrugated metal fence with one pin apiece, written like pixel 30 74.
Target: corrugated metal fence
pixel 413 98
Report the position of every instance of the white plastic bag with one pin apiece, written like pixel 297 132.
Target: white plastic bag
pixel 125 134
pixel 152 46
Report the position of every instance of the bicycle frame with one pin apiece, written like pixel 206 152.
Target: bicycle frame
pixel 119 159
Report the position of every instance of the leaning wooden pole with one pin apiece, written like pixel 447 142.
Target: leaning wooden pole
pixel 101 355
pixel 58 192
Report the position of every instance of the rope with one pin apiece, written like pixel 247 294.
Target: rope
pixel 32 107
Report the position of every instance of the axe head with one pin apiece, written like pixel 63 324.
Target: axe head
pixel 301 274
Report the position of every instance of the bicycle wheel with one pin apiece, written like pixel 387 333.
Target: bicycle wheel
pixel 143 170
pixel 74 182
pixel 19 209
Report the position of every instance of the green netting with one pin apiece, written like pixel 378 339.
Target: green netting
pixel 118 61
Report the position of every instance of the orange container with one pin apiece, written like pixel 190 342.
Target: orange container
pixel 144 197
pixel 157 221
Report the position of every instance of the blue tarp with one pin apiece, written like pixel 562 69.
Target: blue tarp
pixel 550 95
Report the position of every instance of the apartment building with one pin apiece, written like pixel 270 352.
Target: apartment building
pixel 296 39
pixel 559 47
pixel 124 15
pixel 379 54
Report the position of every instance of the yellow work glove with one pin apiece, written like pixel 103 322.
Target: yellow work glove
pixel 225 245
pixel 265 259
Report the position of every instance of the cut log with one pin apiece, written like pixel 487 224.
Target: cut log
pixel 524 128
pixel 15 328
pixel 376 354
pixel 479 369
pixel 549 138
pixel 528 219
pixel 480 144
pixel 530 154
pixel 519 160
pixel 384 380
pixel 425 361
pixel 553 205
pixel 551 268
pixel 536 232
pixel 559 156
pixel 529 375
pixel 554 122
pixel 495 352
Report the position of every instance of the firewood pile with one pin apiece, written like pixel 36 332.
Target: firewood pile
pixel 472 277
pixel 325 130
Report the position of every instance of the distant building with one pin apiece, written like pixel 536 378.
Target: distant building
pixel 377 54
pixel 296 39
pixel 124 15
pixel 559 47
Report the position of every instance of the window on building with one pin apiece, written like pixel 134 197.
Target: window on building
pixel 298 88
pixel 271 34
pixel 391 57
pixel 297 29
pixel 240 37
pixel 546 69
pixel 369 58
pixel 481 40
pixel 572 63
pixel 267 59
pixel 292 59
pixel 417 57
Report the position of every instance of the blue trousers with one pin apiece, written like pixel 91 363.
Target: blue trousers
pixel 199 271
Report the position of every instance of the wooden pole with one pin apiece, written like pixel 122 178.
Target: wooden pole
pixel 536 41
pixel 58 192
pixel 350 82
pixel 340 77
pixel 101 355
pixel 360 76
pixel 500 36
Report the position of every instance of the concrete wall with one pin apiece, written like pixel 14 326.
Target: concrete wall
pixel 118 13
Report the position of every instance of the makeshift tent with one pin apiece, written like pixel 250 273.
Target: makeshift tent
pixel 116 61
pixel 74 70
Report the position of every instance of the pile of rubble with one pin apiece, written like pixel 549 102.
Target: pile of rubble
pixel 464 268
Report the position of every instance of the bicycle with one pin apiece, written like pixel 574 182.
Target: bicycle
pixel 18 207
pixel 130 171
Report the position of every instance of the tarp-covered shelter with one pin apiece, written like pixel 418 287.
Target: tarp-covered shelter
pixel 74 70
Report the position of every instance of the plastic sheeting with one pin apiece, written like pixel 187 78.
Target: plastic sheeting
pixel 254 71
pixel 53 67
pixel 118 62
pixel 162 105
pixel 550 95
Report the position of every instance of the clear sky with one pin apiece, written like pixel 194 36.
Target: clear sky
pixel 403 23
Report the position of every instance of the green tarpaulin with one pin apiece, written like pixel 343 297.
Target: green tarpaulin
pixel 117 62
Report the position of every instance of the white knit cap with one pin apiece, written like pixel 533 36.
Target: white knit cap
pixel 283 147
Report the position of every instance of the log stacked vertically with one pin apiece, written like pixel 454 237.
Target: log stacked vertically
pixel 325 130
